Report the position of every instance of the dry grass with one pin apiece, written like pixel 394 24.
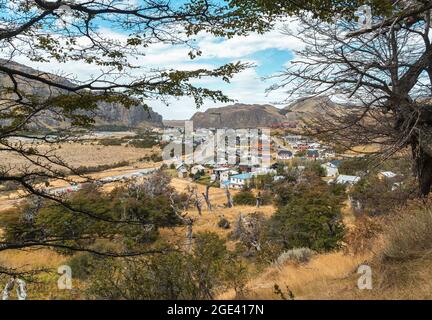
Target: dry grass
pixel 315 280
pixel 44 285
pixel 31 259
pixel 208 221
pixel 78 154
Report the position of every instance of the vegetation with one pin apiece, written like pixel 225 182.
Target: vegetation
pixel 131 215
pixel 245 198
pixel 99 168
pixel 124 243
pixel 174 275
pixel 298 255
pixel 308 215
pixel 374 196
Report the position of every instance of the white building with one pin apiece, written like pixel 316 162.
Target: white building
pixel 387 175
pixel 331 168
pixel 197 168
pixel 348 180
pixel 237 181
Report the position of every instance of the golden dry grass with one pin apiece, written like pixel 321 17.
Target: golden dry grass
pixel 208 221
pixel 31 259
pixel 78 154
pixel 315 280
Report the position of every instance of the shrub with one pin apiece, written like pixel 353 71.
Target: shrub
pixel 245 198
pixel 409 234
pixel 110 142
pixel 82 265
pixel 266 198
pixel 248 230
pixel 144 143
pixel 309 215
pixel 362 237
pixel 223 223
pixel 297 255
pixel 173 275
pixel 375 197
pixel 99 168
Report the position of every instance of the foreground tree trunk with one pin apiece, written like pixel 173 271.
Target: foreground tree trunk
pixel 423 168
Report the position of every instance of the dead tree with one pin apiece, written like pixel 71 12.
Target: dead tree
pixel 230 203
pixel 20 289
pixel 198 205
pixel 383 79
pixel 206 195
pixel 182 211
pixel 248 230
pixel 258 200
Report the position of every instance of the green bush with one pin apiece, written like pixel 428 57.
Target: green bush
pixel 99 168
pixel 245 198
pixel 172 275
pixel 223 223
pixel 309 215
pixel 111 142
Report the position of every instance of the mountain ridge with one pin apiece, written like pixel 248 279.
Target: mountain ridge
pixel 108 114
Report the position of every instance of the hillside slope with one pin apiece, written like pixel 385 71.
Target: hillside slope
pixel 107 115
pixel 238 116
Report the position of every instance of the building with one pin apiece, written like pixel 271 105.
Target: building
pixel 386 175
pixel 197 168
pixel 331 168
pixel 182 170
pixel 278 178
pixel 259 171
pixel 312 154
pixel 293 138
pixel 217 172
pixel 225 175
pixel 347 180
pixel 238 181
pixel 285 155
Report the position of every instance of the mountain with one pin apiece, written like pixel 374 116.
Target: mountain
pixel 306 107
pixel 174 123
pixel 238 116
pixel 107 115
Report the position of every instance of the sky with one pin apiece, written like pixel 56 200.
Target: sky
pixel 268 53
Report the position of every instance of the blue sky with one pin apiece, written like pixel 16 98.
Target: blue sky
pixel 268 52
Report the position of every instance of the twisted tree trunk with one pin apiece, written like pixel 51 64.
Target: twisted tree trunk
pixel 423 168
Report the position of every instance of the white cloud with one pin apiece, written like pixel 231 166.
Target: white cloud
pixel 246 87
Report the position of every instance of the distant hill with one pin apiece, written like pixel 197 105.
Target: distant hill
pixel 238 116
pixel 108 114
pixel 174 123
pixel 306 107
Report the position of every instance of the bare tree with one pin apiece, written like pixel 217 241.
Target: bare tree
pixel 206 195
pixel 258 199
pixel 229 203
pixel 382 76
pixel 182 212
